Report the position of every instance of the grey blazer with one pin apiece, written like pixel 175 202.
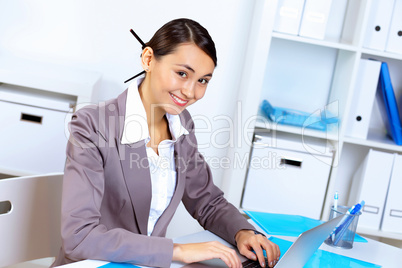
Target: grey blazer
pixel 107 192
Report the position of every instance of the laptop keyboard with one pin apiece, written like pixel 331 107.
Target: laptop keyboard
pixel 253 264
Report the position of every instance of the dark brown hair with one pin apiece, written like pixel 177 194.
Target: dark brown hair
pixel 177 32
pixel 180 31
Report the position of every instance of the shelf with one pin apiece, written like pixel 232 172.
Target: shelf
pixel 8 173
pixel 381 54
pixel 302 74
pixel 379 233
pixel 375 139
pixel 331 134
pixel 322 43
pixel 50 78
pixel 37 98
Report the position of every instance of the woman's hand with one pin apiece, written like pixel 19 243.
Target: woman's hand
pixel 196 252
pixel 247 241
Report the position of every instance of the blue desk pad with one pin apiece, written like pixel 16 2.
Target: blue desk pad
pixel 288 225
pixel 118 265
pixel 322 258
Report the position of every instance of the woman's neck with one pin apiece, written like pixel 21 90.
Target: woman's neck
pixel 158 125
pixel 155 114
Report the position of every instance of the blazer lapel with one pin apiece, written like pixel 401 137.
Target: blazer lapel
pixel 134 163
pixel 135 166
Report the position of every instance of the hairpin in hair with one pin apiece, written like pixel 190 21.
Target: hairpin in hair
pixel 138 38
pixel 143 46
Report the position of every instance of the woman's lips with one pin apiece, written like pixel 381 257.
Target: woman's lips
pixel 178 100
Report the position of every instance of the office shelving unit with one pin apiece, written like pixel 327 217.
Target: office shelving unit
pixel 307 74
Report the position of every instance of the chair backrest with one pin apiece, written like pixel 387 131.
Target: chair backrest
pixel 31 228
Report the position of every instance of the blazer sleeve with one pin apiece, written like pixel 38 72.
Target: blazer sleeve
pixel 84 237
pixel 205 201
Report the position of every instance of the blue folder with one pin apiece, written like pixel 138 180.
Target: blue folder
pixel 288 225
pixel 322 258
pixel 387 102
pixel 297 118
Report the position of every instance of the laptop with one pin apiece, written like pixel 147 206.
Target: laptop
pixel 296 256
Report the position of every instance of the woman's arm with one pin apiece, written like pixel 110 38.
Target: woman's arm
pixel 205 202
pixel 83 234
pixel 202 199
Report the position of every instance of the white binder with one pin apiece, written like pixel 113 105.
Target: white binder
pixel 394 42
pixel 370 183
pixel 378 24
pixel 364 94
pixel 315 18
pixel 335 20
pixel 288 16
pixel 392 220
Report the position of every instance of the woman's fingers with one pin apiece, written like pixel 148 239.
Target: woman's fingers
pixel 228 255
pixel 196 252
pixel 272 251
pixel 248 242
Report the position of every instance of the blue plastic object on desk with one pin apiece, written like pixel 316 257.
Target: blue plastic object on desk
pixel 297 118
pixel 284 224
pixel 322 258
pixel 346 221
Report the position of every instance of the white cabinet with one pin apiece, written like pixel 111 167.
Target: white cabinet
pixel 283 163
pixel 311 75
pixel 32 139
pixel 36 103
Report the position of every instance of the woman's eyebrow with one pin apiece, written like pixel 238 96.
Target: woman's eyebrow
pixel 186 66
pixel 191 69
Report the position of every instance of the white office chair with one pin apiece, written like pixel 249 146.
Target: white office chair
pixel 30 218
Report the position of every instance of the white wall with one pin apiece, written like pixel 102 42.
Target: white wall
pixel 94 35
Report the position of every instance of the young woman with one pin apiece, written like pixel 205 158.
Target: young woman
pixel 131 160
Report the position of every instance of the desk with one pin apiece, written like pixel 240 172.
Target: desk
pixel 373 251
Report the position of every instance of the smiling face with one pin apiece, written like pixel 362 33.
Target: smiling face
pixel 175 81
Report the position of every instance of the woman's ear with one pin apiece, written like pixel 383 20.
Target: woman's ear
pixel 147 58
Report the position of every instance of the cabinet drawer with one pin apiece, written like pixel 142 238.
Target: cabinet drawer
pixel 32 140
pixel 282 180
